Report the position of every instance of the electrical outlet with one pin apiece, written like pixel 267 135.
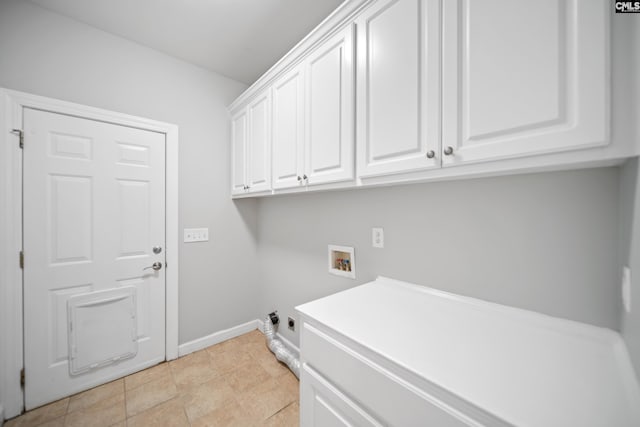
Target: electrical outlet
pixel 291 323
pixel 196 235
pixel 626 288
pixel 377 237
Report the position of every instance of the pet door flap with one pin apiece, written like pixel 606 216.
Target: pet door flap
pixel 102 328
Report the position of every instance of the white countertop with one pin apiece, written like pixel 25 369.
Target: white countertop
pixel 526 368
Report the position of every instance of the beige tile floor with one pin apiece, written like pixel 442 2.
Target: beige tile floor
pixel 235 383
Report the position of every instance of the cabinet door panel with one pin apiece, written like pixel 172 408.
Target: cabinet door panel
pixel 398 86
pixel 259 147
pixel 323 405
pixel 288 129
pixel 523 78
pixel 329 106
pixel 238 151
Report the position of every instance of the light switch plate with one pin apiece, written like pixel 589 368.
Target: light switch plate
pixel 377 237
pixel 196 235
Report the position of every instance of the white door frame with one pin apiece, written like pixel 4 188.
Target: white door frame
pixel 12 104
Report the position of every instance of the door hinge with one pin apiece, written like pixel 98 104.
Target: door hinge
pixel 20 134
pixel 22 377
pixel 22 260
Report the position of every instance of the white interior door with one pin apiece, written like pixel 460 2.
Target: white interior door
pixel 94 209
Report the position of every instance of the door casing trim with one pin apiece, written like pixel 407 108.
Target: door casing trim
pixel 12 104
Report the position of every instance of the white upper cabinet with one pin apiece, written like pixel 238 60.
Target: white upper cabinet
pixel 522 78
pixel 313 114
pixel 259 144
pixel 329 107
pixel 238 150
pixel 251 147
pixel 398 101
pixel 391 91
pixel 288 130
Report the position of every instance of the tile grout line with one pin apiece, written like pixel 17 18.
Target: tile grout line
pixel 280 410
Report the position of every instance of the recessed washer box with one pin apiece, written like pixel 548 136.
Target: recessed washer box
pixel 342 261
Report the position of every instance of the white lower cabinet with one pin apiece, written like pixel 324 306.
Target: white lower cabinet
pixel 393 353
pixel 326 406
pixel 341 384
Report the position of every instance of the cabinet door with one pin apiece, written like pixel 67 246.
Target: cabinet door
pixel 259 144
pixel 398 87
pixel 522 78
pixel 329 109
pixel 323 405
pixel 238 152
pixel 288 130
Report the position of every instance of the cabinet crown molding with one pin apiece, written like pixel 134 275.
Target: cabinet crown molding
pixel 339 18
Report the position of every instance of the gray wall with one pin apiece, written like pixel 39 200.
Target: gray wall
pixel 629 251
pixel 545 242
pixel 630 254
pixel 47 54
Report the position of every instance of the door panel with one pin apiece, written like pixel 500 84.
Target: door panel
pixel 288 129
pixel 259 154
pixel 94 203
pixel 398 87
pixel 518 83
pixel 238 152
pixel 329 104
pixel 323 405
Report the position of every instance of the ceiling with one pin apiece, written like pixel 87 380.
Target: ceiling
pixel 240 39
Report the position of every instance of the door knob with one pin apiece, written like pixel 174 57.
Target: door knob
pixel 157 249
pixel 156 266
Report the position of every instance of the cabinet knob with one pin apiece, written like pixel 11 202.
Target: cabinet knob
pixel 448 151
pixel 304 177
pixel 431 154
pixel 299 178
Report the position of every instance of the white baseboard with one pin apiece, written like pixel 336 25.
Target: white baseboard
pixel 226 334
pixel 217 337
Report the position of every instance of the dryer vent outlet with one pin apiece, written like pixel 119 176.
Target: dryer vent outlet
pixel 291 323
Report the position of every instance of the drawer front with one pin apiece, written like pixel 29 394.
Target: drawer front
pixel 323 405
pixel 381 393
